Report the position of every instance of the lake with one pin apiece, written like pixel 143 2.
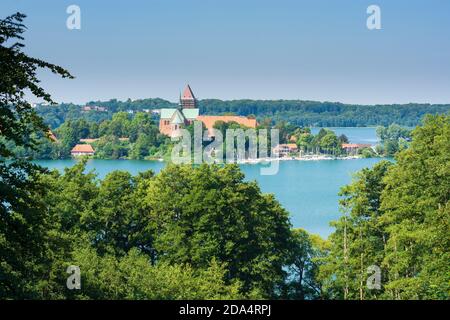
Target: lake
pixel 355 134
pixel 307 189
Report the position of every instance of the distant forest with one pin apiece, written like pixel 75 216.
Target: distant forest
pixel 296 112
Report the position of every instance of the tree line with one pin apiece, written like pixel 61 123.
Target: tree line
pixel 297 112
pixel 325 114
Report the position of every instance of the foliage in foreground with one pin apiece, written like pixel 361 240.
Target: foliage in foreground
pixel 397 217
pixel 23 222
pixel 190 233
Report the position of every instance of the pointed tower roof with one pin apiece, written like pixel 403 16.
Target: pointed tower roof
pixel 188 94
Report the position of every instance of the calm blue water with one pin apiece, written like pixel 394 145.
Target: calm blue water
pixel 355 135
pixel 307 189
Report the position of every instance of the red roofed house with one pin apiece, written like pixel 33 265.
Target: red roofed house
pixel 354 147
pixel 82 150
pixel 283 150
pixel 172 120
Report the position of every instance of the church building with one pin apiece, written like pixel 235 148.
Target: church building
pixel 172 119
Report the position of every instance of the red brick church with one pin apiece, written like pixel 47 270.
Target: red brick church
pixel 173 119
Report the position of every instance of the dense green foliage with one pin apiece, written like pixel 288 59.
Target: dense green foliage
pixel 217 236
pixel 141 133
pixel 358 238
pixel 23 223
pixel 307 256
pixel 219 215
pixel 324 114
pixel 393 139
pixel 397 217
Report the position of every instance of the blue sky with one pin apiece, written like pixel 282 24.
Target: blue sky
pixel 232 49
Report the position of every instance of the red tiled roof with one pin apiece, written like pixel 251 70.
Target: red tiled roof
pixel 209 121
pixel 83 148
pixel 188 94
pixel 355 145
pixel 287 145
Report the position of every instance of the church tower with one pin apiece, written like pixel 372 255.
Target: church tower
pixel 187 99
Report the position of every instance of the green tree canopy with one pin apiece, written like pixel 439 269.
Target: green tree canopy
pixel 24 222
pixel 211 212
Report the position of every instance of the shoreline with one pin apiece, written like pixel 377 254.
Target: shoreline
pixel 303 158
pixel 245 161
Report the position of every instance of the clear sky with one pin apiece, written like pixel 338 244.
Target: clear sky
pixel 232 49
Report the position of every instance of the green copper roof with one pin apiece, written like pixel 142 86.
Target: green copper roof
pixel 177 118
pixel 191 113
pixel 167 113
